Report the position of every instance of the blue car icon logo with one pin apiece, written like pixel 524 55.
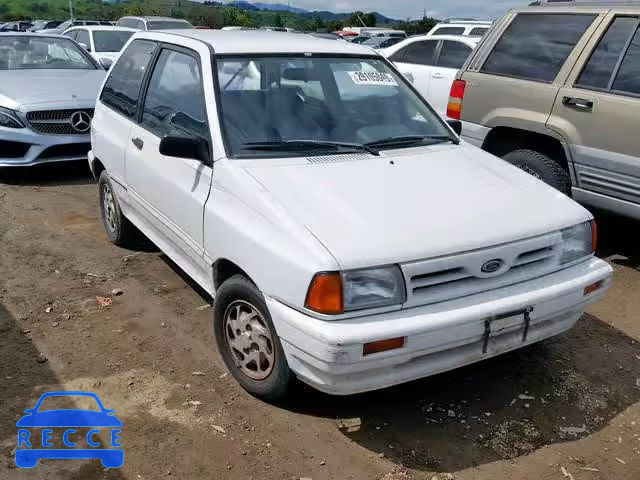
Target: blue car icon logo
pixel 68 425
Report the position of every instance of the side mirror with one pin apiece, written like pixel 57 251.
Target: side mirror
pixel 86 47
pixel 106 63
pixel 456 125
pixel 185 147
pixel 409 76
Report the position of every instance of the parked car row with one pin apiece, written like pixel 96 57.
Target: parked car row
pixel 317 191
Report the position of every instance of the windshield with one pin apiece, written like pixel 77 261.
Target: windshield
pixel 168 25
pixel 41 53
pixel 347 100
pixel 110 40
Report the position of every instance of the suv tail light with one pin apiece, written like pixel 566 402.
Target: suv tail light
pixel 454 107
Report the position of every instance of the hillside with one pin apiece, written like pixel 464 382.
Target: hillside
pixel 212 14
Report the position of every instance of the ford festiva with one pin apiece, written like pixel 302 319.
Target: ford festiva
pixel 47 94
pixel 347 234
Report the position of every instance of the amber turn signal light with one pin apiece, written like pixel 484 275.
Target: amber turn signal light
pixel 382 345
pixel 592 288
pixel 325 294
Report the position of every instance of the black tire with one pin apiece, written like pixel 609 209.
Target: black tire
pixel 235 291
pixel 541 167
pixel 120 231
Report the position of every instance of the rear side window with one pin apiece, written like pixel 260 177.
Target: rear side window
pixel 175 99
pixel 478 31
pixel 453 54
pixel 83 37
pixel 604 59
pixel 419 53
pixel 448 31
pixel 628 78
pixel 123 86
pixel 535 46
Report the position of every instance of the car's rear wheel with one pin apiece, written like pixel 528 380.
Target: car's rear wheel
pixel 119 230
pixel 542 167
pixel 247 340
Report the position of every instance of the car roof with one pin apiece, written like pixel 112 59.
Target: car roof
pixel 156 18
pixel 259 42
pixel 93 28
pixel 595 7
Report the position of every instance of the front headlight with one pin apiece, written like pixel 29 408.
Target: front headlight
pixel 578 241
pixel 9 119
pixel 338 292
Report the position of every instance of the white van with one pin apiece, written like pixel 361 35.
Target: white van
pixel 348 236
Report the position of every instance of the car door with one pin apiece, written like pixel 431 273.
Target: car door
pixel 598 112
pixel 116 111
pixel 170 192
pixel 415 61
pixel 449 59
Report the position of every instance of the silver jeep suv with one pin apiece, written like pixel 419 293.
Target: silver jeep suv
pixel 555 90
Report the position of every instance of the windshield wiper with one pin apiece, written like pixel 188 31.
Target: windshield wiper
pixel 411 140
pixel 302 144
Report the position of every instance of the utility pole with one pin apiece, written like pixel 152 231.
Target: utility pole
pixel 363 24
pixel 70 9
pixel 424 13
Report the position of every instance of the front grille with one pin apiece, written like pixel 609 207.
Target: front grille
pixel 13 149
pixel 456 276
pixel 56 122
pixel 71 150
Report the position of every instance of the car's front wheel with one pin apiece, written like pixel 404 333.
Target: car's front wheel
pixel 119 230
pixel 247 340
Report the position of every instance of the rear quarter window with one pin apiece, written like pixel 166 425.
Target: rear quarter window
pixel 448 31
pixel 535 46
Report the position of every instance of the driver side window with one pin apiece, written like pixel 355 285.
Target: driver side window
pixel 175 100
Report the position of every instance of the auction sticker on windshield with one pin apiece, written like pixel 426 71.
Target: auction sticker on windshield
pixel 373 78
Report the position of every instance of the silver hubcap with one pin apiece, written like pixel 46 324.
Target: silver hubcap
pixel 109 207
pixel 249 339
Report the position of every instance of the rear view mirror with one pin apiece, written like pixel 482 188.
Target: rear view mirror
pixel 456 126
pixel 185 147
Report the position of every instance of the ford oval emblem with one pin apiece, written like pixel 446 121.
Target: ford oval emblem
pixel 492 266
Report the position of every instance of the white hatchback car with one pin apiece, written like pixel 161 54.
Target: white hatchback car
pixel 103 43
pixel 347 234
pixel 431 63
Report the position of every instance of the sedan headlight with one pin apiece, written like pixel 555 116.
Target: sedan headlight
pixel 9 119
pixel 578 241
pixel 338 292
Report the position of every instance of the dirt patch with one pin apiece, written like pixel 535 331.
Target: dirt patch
pixel 569 403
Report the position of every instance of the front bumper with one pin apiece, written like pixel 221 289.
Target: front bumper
pixel 328 355
pixel 23 147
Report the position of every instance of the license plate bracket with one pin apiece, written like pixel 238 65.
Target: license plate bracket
pixel 506 320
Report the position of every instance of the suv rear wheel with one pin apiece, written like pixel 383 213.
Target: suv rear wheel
pixel 542 167
pixel 247 340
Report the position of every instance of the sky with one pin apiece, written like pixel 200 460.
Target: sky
pixel 400 9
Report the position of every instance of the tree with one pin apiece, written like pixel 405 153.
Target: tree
pixel 318 24
pixel 335 26
pixel 136 10
pixel 369 19
pixel 4 10
pixel 277 21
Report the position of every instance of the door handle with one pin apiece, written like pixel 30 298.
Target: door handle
pixel 581 104
pixel 138 143
pixel 437 76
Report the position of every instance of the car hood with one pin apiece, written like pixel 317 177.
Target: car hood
pixel 69 418
pixel 430 202
pixel 25 88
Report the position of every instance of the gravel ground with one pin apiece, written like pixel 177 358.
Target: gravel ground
pixel 567 408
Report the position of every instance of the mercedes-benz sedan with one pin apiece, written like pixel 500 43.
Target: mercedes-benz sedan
pixel 48 86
